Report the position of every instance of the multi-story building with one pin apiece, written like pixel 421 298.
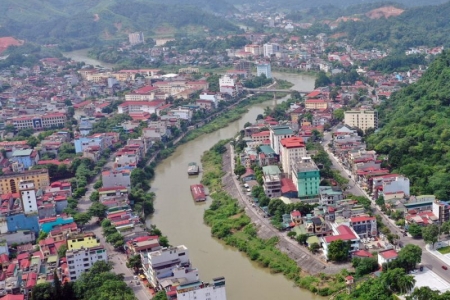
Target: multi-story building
pixel 291 149
pixel 387 256
pixel 116 178
pixel 277 133
pixel 136 38
pixel 146 93
pixel 391 186
pixel 264 69
pixel 364 226
pixel 26 157
pixel 270 49
pixel 362 119
pixel 81 260
pixel 306 177
pixel 9 183
pixel 227 85
pixel 316 104
pixel 441 210
pixel 83 143
pixel 84 240
pixel 254 49
pixel 28 196
pixel 140 106
pixel 330 196
pixel 49 120
pixel 272 183
pixel 160 264
pixel 214 290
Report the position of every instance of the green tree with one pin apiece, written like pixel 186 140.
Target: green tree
pixel 410 256
pixel 81 218
pixel 42 291
pixel 239 170
pixel 161 295
pixel 42 235
pixel 430 234
pixel 424 293
pixel 62 251
pixel 380 201
pixel 57 287
pixel 302 238
pixel 364 266
pixel 314 247
pixel 322 80
pixel 97 209
pixel 415 230
pixel 291 234
pixel 338 114
pixel 134 262
pixel 338 250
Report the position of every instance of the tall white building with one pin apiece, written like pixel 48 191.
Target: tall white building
pixel 270 49
pixel 28 196
pixel 81 260
pixel 214 290
pixel 162 263
pixel 136 38
pixel 276 134
pixel 291 149
pixel 264 69
pixel 362 119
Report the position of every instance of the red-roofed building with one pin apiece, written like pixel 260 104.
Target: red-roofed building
pixel 386 256
pixel 13 297
pixel 291 149
pixel 362 254
pixel 288 188
pixel 261 136
pixel 143 244
pixel 344 233
pixel 248 175
pixel 296 216
pixel 140 106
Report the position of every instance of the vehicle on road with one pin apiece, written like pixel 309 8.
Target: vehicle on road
pixel 444 267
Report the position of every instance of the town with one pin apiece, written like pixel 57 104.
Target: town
pixel 79 144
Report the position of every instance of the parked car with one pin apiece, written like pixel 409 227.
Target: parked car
pixel 444 267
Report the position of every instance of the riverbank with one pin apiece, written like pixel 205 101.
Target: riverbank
pixel 230 222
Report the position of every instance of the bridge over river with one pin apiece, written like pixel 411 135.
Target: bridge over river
pixel 276 90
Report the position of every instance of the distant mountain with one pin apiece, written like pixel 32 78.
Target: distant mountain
pixel 289 5
pixel 82 23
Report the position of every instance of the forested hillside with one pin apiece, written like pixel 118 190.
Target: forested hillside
pixel 428 26
pixel 415 131
pixel 82 23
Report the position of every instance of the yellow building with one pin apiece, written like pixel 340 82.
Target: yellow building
pixel 9 183
pixel 362 119
pixel 316 104
pixel 86 240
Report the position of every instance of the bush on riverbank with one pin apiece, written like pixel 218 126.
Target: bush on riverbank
pixel 229 222
pixel 230 115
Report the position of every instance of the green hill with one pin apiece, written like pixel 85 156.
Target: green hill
pixel 419 26
pixel 82 23
pixel 415 131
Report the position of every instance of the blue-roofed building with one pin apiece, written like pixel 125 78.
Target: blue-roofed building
pixel 26 157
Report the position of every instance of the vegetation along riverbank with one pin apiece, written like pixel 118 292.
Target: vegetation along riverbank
pixel 229 223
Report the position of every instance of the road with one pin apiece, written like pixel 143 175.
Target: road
pixel 117 258
pixel 312 264
pixel 428 260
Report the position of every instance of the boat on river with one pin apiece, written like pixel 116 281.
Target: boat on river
pixel 193 168
pixel 198 192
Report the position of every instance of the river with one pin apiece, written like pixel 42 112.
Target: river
pixel 181 219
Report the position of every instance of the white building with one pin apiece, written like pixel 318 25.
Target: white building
pixel 160 264
pixel 81 260
pixel 227 85
pixel 344 233
pixel 291 149
pixel 136 38
pixel 28 195
pixel 182 113
pixel 277 133
pixel 140 106
pixel 209 97
pixel 391 185
pixel 386 256
pixel 264 69
pixel 116 178
pixel 214 290
pixel 362 119
pixel 364 226
pixel 270 49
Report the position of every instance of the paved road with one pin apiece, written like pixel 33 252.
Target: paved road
pixel 117 258
pixel 428 260
pixel 312 264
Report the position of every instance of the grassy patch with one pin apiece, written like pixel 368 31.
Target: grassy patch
pixel 444 250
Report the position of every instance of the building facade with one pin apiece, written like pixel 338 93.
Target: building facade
pixel 28 196
pixel 81 260
pixel 50 120
pixel 362 119
pixel 9 183
pixel 276 134
pixel 214 290
pixel 306 177
pixel 136 38
pixel 291 149
pixel 264 69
